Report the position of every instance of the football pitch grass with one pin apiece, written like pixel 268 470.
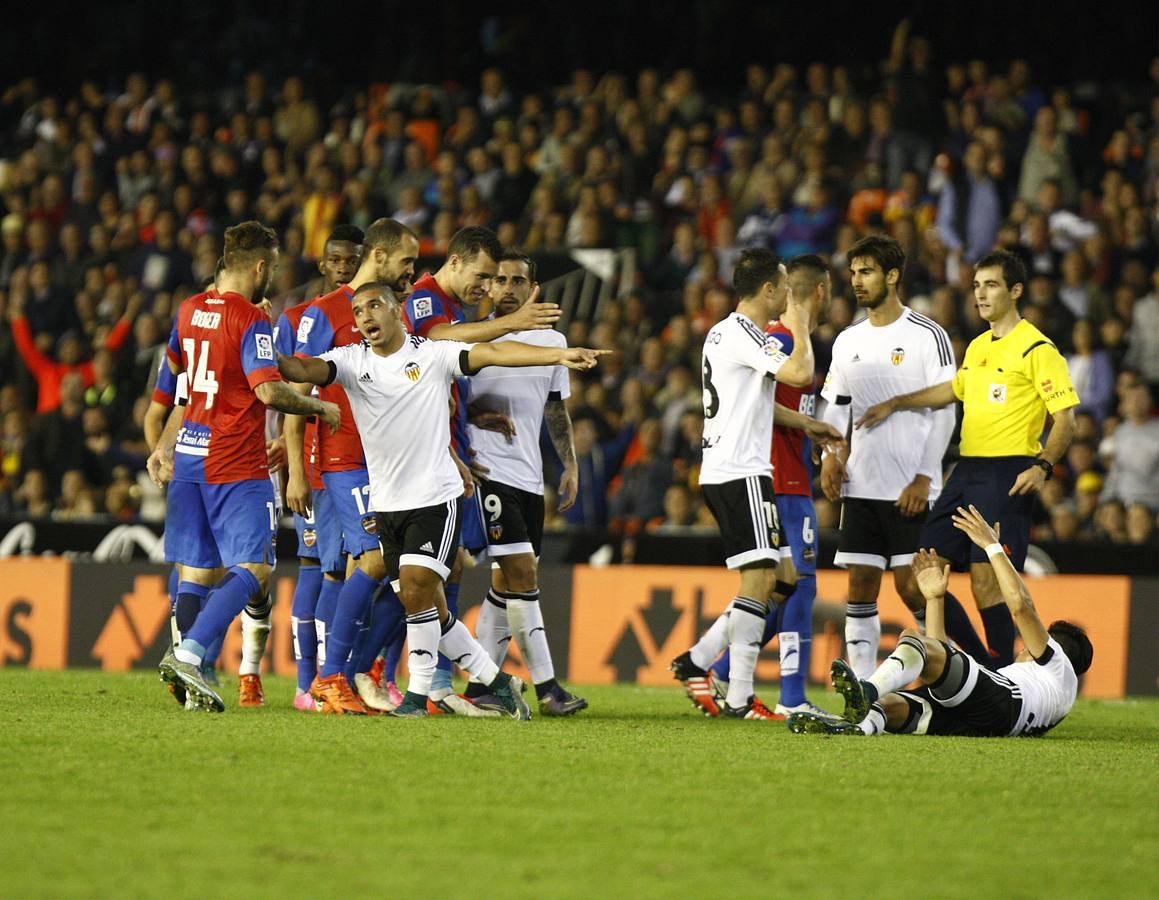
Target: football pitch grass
pixel 110 790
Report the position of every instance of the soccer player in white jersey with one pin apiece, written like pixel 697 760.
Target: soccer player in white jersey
pixel 958 696
pixel 736 474
pixel 511 495
pixel 887 479
pixel 399 388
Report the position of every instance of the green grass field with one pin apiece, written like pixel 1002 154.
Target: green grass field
pixel 110 790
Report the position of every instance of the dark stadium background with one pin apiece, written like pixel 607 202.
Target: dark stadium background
pixel 537 44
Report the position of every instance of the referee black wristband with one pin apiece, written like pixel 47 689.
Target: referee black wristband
pixel 1046 465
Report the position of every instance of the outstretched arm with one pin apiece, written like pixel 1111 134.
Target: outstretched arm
pixel 305 370
pixel 531 316
pixel 280 396
pixel 936 395
pixel 516 354
pixel 1014 591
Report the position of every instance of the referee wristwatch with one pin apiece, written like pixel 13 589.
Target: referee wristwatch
pixel 1046 465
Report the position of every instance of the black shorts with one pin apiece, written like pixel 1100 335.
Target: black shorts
pixel 875 533
pixel 749 524
pixel 512 517
pixel 967 701
pixel 984 482
pixel 427 537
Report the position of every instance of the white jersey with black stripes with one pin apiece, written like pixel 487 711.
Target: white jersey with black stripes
pixel 872 364
pixel 736 364
pixel 1049 687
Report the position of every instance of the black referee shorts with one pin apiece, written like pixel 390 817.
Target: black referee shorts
pixel 984 481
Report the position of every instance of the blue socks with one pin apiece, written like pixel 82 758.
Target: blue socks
pixel 190 598
pixel 797 619
pixel 349 614
pixel 442 679
pixel 302 619
pixel 223 604
pixel 387 625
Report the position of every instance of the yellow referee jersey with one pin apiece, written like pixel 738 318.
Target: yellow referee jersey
pixel 1007 385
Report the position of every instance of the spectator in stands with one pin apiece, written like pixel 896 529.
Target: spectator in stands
pixel 1143 351
pixel 599 462
pixel 1140 524
pixel 1046 157
pixel 970 208
pixel 1091 371
pixel 1134 472
pixel 638 499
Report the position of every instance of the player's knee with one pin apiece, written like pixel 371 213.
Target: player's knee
pixel 864 583
pixel 519 572
pixel 260 571
pixel 372 565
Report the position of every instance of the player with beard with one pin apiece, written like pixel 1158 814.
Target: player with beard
pixel 416 488
pixel 388 256
pixel 1010 378
pixel 319 537
pixel 435 310
pixel 511 495
pixel 885 478
pixel 221 506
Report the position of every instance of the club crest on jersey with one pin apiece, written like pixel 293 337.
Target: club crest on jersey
pixel 370 523
pixel 309 537
pixel 896 355
pixel 412 371
pixel 997 393
pixel 424 308
pixel 265 346
pixel 495 531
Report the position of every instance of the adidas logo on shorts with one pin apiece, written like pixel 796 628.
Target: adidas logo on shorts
pixel 427 548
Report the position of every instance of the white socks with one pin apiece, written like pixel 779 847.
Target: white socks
pixel 255 631
pixel 862 635
pixel 746 626
pixel 526 619
pixel 491 628
pixel 705 651
pixel 464 651
pixel 422 638
pixel 901 667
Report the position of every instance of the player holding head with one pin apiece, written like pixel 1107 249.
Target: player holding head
pixel 884 478
pixel 511 494
pixel 415 487
pixel 319 536
pixel 435 309
pixel 1028 697
pixel 221 502
pixel 794 430
pixel 1011 377
pixel 388 257
pixel 736 475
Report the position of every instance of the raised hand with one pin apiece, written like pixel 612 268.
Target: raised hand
pixel 535 316
pixel 931 576
pixel 970 522
pixel 581 358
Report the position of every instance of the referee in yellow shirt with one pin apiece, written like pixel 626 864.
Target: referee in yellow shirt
pixel 1011 378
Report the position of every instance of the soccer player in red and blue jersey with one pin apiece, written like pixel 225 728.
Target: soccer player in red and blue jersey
pixel 435 310
pixel 221 502
pixel 389 250
pixel 319 536
pixel 794 431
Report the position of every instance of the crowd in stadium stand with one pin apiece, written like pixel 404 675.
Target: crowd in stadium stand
pixel 113 202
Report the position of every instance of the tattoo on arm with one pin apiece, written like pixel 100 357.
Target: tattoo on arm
pixel 559 428
pixel 280 396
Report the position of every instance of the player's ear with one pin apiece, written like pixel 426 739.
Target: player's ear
pixel 1016 291
pixel 321 267
pixel 892 277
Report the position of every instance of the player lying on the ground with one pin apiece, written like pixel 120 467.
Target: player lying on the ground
pixel 958 696
pixel 399 387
